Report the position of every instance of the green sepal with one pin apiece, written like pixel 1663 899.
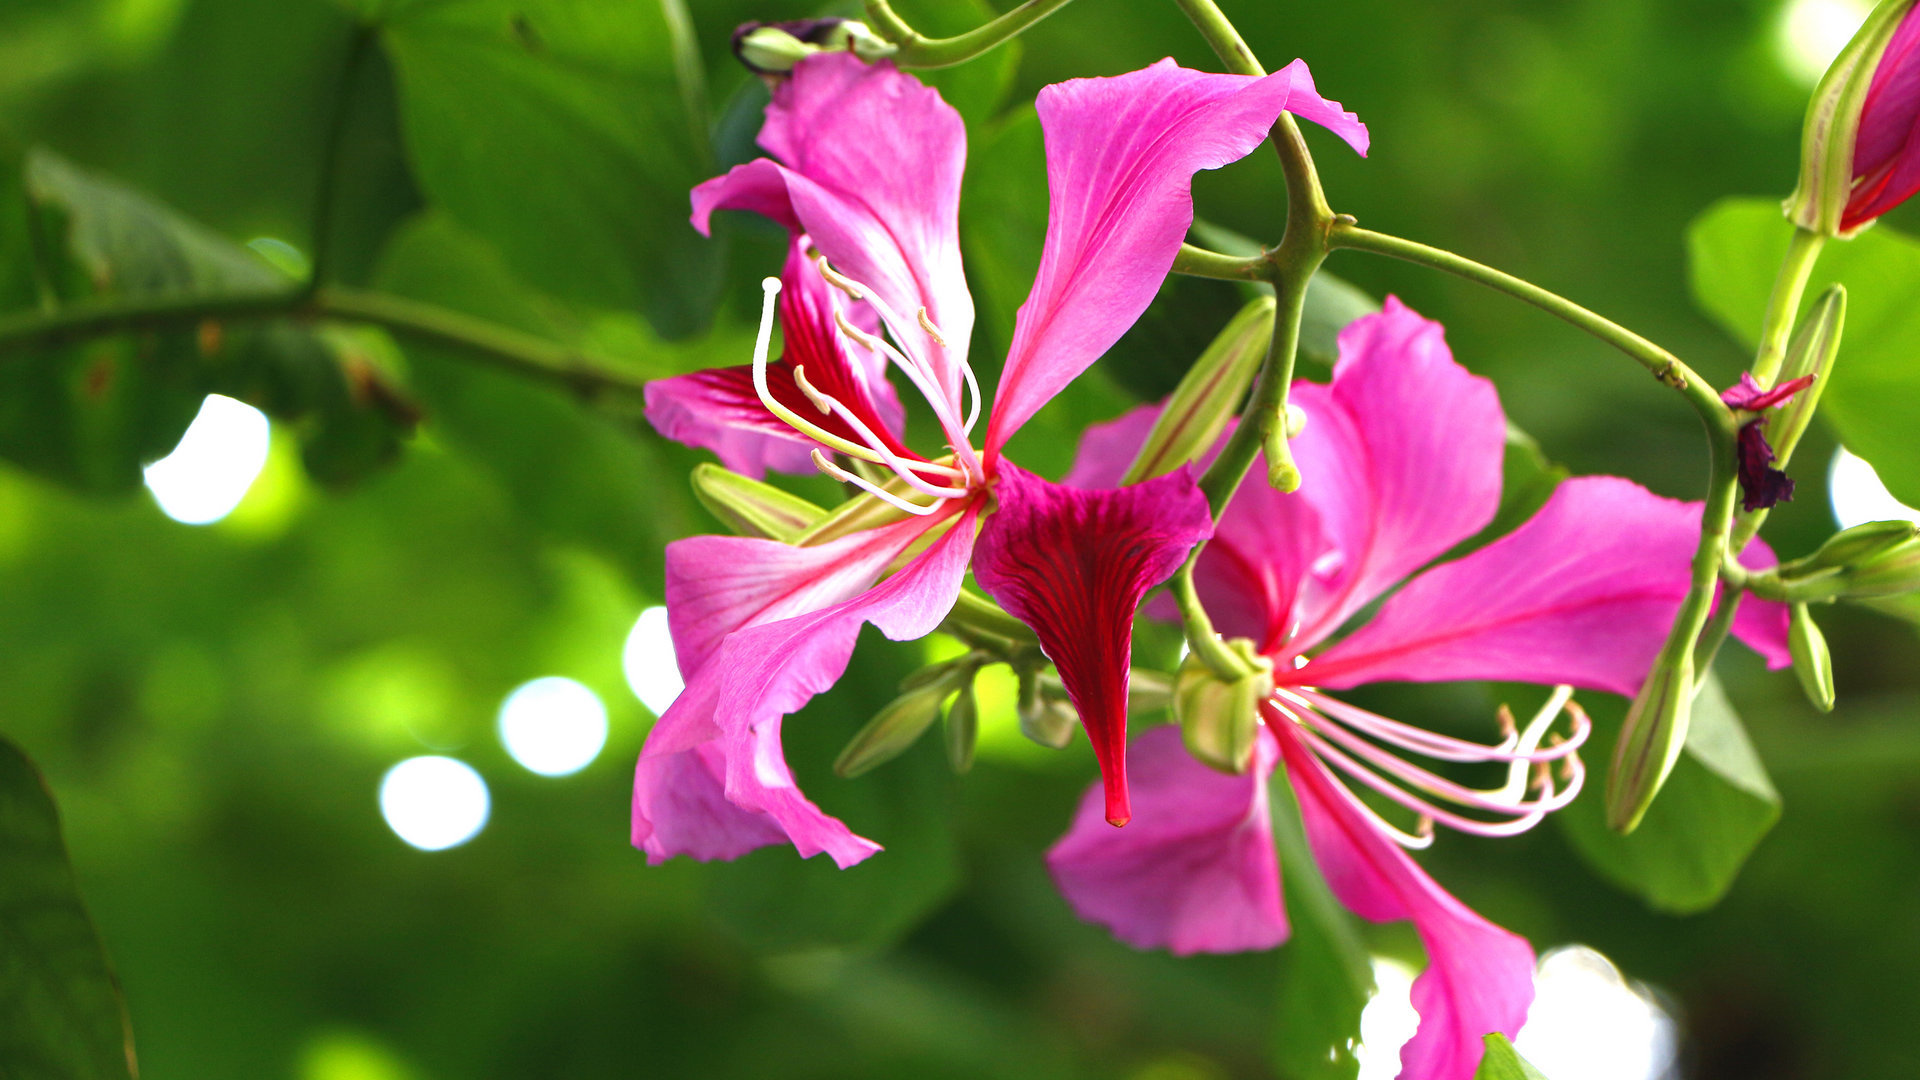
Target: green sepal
pixel 752 508
pixel 1219 717
pixel 1502 1062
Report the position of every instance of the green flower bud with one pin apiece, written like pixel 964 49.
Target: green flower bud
pixel 893 728
pixel 1851 547
pixel 1889 572
pixel 1811 662
pixel 751 508
pixel 1814 347
pixel 770 50
pixel 1043 719
pixel 1650 743
pixel 1219 717
pixel 1208 395
pixel 963 728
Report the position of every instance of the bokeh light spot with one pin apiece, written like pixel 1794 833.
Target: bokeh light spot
pixel 434 803
pixel 208 474
pixel 1589 1023
pixel 649 663
pixel 1388 1021
pixel 553 726
pixel 1811 33
pixel 1858 495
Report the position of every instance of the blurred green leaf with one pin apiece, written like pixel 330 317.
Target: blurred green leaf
pixel 1325 977
pixel 61 1014
pixel 1503 1062
pixel 1003 220
pixel 1735 249
pixel 93 413
pixel 563 133
pixel 1716 806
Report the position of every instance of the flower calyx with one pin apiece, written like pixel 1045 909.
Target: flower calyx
pixel 1219 715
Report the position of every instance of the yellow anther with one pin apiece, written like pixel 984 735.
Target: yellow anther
pixel 932 330
pixel 820 401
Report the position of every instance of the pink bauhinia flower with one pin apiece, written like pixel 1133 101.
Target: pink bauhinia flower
pixel 1886 149
pixel 866 177
pixel 1402 457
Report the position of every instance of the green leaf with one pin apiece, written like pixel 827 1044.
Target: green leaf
pixel 564 133
pixel 1735 249
pixel 61 1014
pixel 1325 977
pixel 1716 805
pixel 1503 1062
pixel 92 414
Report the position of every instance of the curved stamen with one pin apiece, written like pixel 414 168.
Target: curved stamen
pixel 811 430
pixel 1507 799
pixel 1431 744
pixel 1419 840
pixel 921 379
pixel 901 467
pixel 1332 755
pixel 820 462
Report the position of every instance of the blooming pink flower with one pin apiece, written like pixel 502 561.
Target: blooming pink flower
pixel 1886 149
pixel 1401 456
pixel 866 177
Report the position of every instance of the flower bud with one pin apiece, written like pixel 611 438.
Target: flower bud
pixel 963 728
pixel 1219 717
pixel 893 728
pixel 1650 743
pixel 1811 662
pixel 1043 719
pixel 774 48
pixel 751 508
pixel 1889 572
pixel 1208 395
pixel 1859 156
pixel 1814 346
pixel 1851 547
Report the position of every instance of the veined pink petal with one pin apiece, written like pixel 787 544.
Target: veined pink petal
pixel 1196 873
pixel 1121 154
pixel 719 409
pixel 1479 977
pixel 712 782
pixel 1886 151
pixel 1073 565
pixel 717 585
pixel 1583 593
pixel 1401 460
pixel 870 165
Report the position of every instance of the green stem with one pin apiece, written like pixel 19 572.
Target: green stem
pixel 1201 636
pixel 1715 634
pixel 1666 367
pixel 1263 424
pixel 503 347
pixel 1199 262
pixel 691 74
pixel 916 50
pixel 1783 306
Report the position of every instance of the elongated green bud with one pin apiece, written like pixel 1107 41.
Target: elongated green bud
pixel 1890 572
pixel 752 508
pixel 1819 203
pixel 1219 718
pixel 1208 396
pixel 893 729
pixel 1852 547
pixel 963 728
pixel 1812 352
pixel 1811 662
pixel 1650 743
pixel 1042 719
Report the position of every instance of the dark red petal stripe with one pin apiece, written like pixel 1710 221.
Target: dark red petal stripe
pixel 1073 565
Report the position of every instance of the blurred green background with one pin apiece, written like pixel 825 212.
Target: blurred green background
pixel 215 706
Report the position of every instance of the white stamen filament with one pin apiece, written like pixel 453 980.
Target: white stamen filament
pixel 820 462
pixel 811 430
pixel 901 467
pixel 1334 730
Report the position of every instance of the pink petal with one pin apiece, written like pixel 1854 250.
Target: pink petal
pixel 1073 565
pixel 870 164
pixel 1121 154
pixel 1479 977
pixel 1583 593
pixel 1107 450
pixel 717 585
pixel 1196 873
pixel 1401 459
pixel 1886 151
pixel 1762 624
pixel 712 781
pixel 719 409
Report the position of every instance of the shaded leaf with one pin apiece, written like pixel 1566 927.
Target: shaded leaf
pixel 1735 249
pixel 1716 805
pixel 561 132
pixel 61 1014
pixel 91 414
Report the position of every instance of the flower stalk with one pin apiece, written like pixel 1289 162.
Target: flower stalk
pixel 916 50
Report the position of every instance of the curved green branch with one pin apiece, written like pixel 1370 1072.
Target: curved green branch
pixel 916 50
